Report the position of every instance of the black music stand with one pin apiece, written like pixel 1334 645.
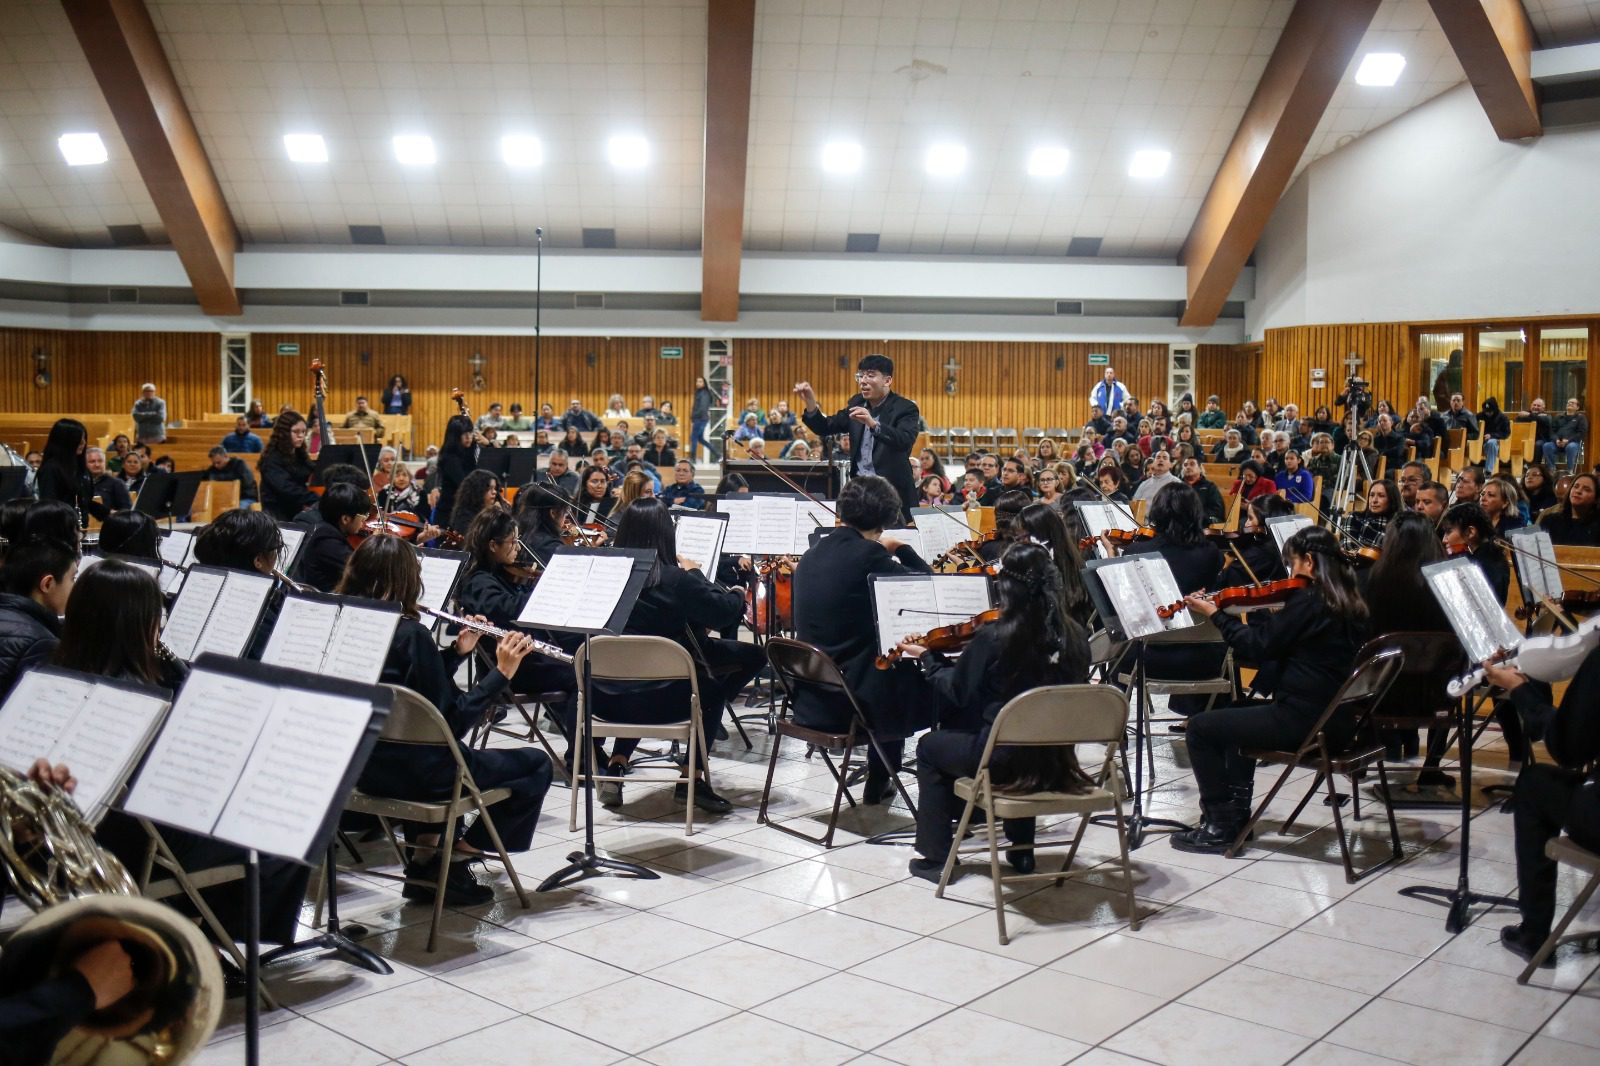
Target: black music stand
pixel 589 862
pixel 522 465
pixel 815 476
pixel 13 482
pixel 169 496
pixel 495 461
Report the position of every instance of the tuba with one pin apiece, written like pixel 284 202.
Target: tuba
pixel 85 896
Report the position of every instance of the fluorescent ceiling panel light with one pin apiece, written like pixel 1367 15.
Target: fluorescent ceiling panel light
pixel 1149 163
pixel 946 159
pixel 305 147
pixel 841 157
pixel 628 152
pixel 415 150
pixel 82 149
pixel 1380 68
pixel 1048 162
pixel 521 150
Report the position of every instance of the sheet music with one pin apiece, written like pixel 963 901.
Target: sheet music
pixel 293 537
pixel 438 576
pixel 1285 526
pixel 699 537
pixel 196 762
pixel 36 715
pixel 171 581
pixel 961 596
pixel 360 644
pixel 1536 562
pixel 912 605
pixel 177 548
pixel 1136 585
pixel 608 577
pixel 908 536
pixel 775 525
pixel 1098 518
pixel 289 778
pixel 1470 604
pixel 941 529
pixel 741 536
pixel 186 622
pixel 113 727
pixel 809 517
pixel 302 634
pixel 577 592
pixel 234 616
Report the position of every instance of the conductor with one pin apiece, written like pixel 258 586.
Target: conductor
pixel 882 425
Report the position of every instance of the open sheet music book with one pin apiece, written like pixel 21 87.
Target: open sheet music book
pixel 583 590
pixel 259 756
pixel 1536 563
pixel 700 536
pixel 1099 518
pixel 939 529
pixel 440 571
pixel 91 559
pixel 217 611
pixel 97 727
pixel 176 547
pixel 1134 586
pixel 335 636
pixel 1473 610
pixel 913 604
pixel 771 525
pixel 293 537
pixel 1285 526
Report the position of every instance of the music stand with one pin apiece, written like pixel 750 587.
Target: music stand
pixel 564 582
pixel 495 461
pixel 305 810
pixel 13 482
pixel 522 465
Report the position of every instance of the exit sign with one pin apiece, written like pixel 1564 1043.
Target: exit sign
pixel 672 353
pixel 285 348
pixel 1099 358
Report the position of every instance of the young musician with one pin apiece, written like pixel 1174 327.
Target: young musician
pixel 1552 797
pixel 284 469
pixel 1180 539
pixel 240 540
pixel 1328 617
pixel 1041 524
pixel 881 424
pixel 35 581
pixel 833 611
pixel 1261 560
pixel 544 518
pixel 496 585
pixel 386 568
pixel 680 603
pixel 1007 507
pixel 343 509
pixel 479 490
pixel 131 533
pixel 63 473
pixel 1034 643
pixel 1466 527
pixel 458 457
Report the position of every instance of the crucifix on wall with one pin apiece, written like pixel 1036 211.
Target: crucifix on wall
pixel 476 363
pixel 950 368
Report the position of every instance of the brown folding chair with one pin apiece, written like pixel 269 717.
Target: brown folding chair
pixel 1563 849
pixel 1362 691
pixel 797 665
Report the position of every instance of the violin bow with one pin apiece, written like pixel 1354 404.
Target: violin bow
pixel 781 476
pixel 1233 546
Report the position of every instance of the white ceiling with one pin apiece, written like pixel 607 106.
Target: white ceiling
pixel 1562 22
pixel 1101 77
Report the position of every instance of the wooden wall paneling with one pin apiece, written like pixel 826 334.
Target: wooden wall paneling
pixel 1227 371
pixel 1291 354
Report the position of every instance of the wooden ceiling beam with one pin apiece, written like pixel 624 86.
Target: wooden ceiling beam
pixel 730 53
pixel 125 53
pixel 1494 41
pixel 1315 49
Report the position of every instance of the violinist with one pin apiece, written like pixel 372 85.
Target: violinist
pixel 1043 525
pixel 284 469
pixel 1006 509
pixel 1034 643
pixel 1180 539
pixel 479 490
pixel 1194 475
pixel 386 568
pixel 342 512
pixel 496 585
pixel 1365 528
pixel 1555 796
pixel 1466 528
pixel 1303 654
pixel 1262 561
pixel 544 519
pixel 458 457
pixel 833 611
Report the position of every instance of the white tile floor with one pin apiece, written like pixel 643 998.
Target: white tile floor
pixel 755 947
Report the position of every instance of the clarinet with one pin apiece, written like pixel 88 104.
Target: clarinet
pixel 549 651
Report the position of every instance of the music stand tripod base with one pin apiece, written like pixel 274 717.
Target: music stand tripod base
pixel 333 940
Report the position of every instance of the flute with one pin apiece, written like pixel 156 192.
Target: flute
pixel 549 651
pixel 294 586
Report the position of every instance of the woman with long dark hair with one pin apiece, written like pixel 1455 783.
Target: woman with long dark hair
pixel 397 396
pixel 131 533
pixel 594 496
pixel 572 442
pixel 1539 487
pixel 63 473
pixel 1258 558
pixel 1034 643
pixel 1577 519
pixel 1042 524
pixel 1303 653
pixel 284 469
pixel 1383 504
pixel 479 491
pixel 1179 521
pixel 458 457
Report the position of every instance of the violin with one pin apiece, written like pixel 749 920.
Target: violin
pixel 1551 658
pixel 1365 554
pixel 965 549
pixel 1247 596
pixel 951 638
pixel 1120 537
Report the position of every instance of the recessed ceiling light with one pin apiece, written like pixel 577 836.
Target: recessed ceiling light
pixel 628 152
pixel 1380 68
pixel 1048 162
pixel 841 157
pixel 82 149
pixel 1149 163
pixel 415 150
pixel 946 159
pixel 305 147
pixel 521 150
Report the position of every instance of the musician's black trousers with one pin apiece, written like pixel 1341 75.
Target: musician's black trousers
pixel 943 756
pixel 527 772
pixel 1217 738
pixel 733 666
pixel 1549 799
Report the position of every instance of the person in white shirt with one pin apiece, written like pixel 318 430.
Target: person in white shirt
pixel 1109 395
pixel 1159 477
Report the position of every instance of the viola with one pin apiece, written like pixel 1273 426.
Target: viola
pixel 1263 595
pixel 966 549
pixel 951 638
pixel 1552 658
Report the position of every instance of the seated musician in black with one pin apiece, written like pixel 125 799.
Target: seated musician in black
pixel 326 478
pixel 1007 506
pixel 1304 653
pixel 386 568
pixel 249 541
pixel 542 519
pixel 1034 643
pixel 681 604
pixel 1552 796
pixel 479 490
pixel 1256 546
pixel 344 509
pixel 1044 525
pixel 833 612
pixel 1466 527
pixel 133 534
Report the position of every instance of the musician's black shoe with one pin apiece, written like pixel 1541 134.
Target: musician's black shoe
pixel 1214 835
pixel 879 790
pixel 1022 860
pixel 929 870
pixel 1525 945
pixel 704 798
pixel 461 889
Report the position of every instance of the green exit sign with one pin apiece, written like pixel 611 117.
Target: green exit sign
pixel 1099 358
pixel 672 353
pixel 286 348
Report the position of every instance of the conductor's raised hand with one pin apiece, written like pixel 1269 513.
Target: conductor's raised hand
pixel 514 648
pixel 862 415
pixel 807 394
